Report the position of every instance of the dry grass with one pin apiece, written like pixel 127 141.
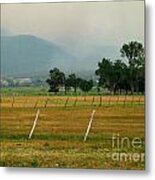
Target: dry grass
pixel 58 138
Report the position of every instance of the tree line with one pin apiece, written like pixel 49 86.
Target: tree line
pixel 121 75
pixel 57 79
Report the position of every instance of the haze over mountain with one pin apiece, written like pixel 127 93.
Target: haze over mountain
pixel 27 55
pixel 71 36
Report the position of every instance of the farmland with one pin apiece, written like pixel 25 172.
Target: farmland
pixel 57 140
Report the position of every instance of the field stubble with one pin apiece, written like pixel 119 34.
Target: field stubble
pixel 58 138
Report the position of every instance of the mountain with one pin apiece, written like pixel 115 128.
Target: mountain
pixel 29 56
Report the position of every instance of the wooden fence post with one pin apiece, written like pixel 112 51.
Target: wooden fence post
pixel 66 102
pixel 132 100
pixel 100 100
pixel 34 123
pixel 109 100
pixel 117 99
pixel 75 101
pixel 89 125
pixel 46 101
pixel 139 100
pixel 35 105
pixel 93 100
pixel 124 100
pixel 13 100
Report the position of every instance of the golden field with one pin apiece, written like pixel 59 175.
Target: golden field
pixel 57 140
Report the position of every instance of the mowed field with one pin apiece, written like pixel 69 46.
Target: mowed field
pixel 57 140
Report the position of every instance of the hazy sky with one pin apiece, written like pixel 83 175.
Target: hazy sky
pixel 106 23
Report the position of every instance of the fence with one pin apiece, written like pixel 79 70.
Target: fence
pixel 70 101
pixel 67 118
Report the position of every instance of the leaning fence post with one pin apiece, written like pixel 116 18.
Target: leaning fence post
pixel 89 125
pixel 34 123
pixel 75 101
pixel 66 102
pixel 35 105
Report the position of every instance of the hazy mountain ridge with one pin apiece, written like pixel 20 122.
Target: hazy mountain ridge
pixel 27 55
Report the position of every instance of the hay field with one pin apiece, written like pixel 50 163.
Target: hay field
pixel 57 140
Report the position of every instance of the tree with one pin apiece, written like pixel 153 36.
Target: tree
pixel 134 52
pixel 113 75
pixel 72 81
pixel 55 80
pixel 67 85
pixel 85 85
pixel 141 79
pixel 119 74
pixel 104 72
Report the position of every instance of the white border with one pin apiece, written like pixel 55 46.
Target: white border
pixel 27 1
pixel 70 174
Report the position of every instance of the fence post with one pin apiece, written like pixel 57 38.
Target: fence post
pixel 13 100
pixel 89 125
pixel 117 99
pixel 109 99
pixel 93 100
pixel 124 100
pixel 139 100
pixel 100 100
pixel 25 102
pixel 132 100
pixel 75 101
pixel 66 102
pixel 46 101
pixel 34 123
pixel 35 105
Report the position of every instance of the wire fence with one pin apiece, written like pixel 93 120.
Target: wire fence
pixel 70 101
pixel 66 118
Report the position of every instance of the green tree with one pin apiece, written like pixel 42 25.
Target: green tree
pixel 119 71
pixel 85 85
pixel 134 52
pixel 72 81
pixel 67 85
pixel 113 75
pixel 56 80
pixel 106 74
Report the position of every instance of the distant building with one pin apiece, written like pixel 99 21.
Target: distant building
pixel 4 83
pixel 24 81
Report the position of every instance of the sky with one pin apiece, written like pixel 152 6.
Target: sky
pixel 96 23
